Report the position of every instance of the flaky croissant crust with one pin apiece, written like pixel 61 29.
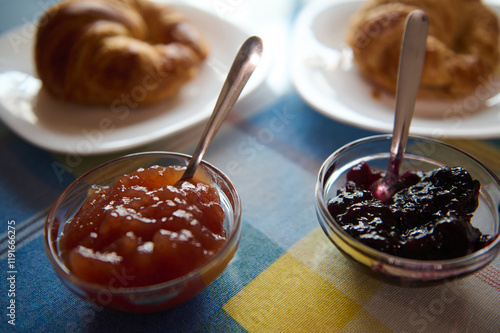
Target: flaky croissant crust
pixel 462 46
pixel 98 51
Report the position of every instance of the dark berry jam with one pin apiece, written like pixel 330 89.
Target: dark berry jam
pixel 428 218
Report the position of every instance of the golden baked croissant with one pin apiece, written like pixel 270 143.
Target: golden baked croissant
pixel 103 51
pixel 462 47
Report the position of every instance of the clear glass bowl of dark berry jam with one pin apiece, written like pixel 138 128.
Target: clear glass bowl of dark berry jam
pixel 442 223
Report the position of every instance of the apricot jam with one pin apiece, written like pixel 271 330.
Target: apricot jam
pixel 144 227
pixel 428 218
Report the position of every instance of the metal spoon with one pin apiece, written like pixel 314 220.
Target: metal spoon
pixel 410 71
pixel 243 66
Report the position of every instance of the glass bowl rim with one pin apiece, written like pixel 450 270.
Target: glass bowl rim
pixel 424 265
pixel 65 273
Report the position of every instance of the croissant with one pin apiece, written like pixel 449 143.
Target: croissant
pixel 462 46
pixel 99 52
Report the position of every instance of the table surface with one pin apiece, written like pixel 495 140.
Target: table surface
pixel 286 275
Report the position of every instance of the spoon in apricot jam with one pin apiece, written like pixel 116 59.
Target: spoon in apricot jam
pixel 410 70
pixel 242 68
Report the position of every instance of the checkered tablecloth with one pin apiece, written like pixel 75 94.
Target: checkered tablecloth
pixel 286 276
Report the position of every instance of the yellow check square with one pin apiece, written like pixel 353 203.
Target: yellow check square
pixel 289 296
pixel 318 253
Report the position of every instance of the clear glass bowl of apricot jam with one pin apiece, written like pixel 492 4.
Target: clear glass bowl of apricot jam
pixel 435 228
pixel 127 235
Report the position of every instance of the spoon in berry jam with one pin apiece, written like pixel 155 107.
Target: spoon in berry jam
pixel 242 68
pixel 410 70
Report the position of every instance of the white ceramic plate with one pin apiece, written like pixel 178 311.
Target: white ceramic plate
pixel 68 128
pixel 324 75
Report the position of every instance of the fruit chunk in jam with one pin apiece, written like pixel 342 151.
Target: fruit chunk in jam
pixel 428 217
pixel 145 228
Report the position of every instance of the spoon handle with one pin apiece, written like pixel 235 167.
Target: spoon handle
pixel 243 66
pixel 411 64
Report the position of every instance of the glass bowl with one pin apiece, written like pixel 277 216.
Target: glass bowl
pixel 154 297
pixel 421 154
